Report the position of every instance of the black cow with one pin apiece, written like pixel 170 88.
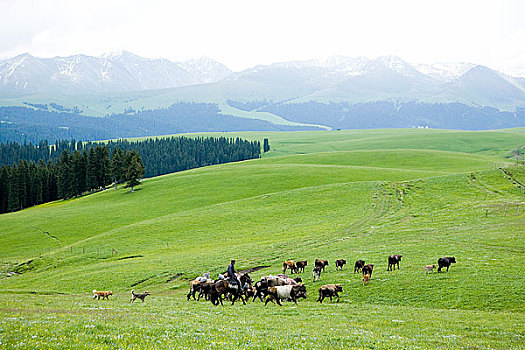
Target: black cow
pixel 445 262
pixel 393 260
pixel 339 263
pixel 300 265
pixel 367 269
pixel 359 265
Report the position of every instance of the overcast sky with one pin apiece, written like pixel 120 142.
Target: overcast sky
pixel 244 33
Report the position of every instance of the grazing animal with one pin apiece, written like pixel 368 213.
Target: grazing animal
pixel 140 296
pixel 366 278
pixel 195 286
pixel 261 289
pixel 367 269
pixel 429 268
pixel 205 289
pixel 104 295
pixel 317 273
pixel 300 265
pixel 393 260
pixel 289 264
pixel 330 290
pixel 339 263
pixel 289 280
pixel 445 262
pixel 224 288
pixel 321 263
pixel 276 294
pixel 221 289
pixel 201 285
pixel 359 265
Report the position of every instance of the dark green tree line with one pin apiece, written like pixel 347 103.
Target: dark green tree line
pixel 87 167
pixel 28 183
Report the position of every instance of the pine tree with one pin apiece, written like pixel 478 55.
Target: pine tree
pixel 78 174
pixel 266 145
pixel 118 167
pixel 4 188
pixel 135 170
pixel 103 167
pixel 64 175
pixel 91 171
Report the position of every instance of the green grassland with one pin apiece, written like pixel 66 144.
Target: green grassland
pixel 336 194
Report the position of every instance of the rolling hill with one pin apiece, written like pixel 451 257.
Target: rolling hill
pixel 332 194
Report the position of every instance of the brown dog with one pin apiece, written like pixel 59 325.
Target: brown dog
pixel 98 294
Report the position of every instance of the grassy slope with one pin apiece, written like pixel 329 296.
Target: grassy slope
pixel 342 200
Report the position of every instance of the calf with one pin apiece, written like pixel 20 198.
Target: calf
pixel 445 262
pixel 300 265
pixel 359 265
pixel 366 278
pixel 367 269
pixel 289 264
pixel 393 260
pixel 276 294
pixel 339 263
pixel 329 290
pixel 317 273
pixel 321 263
pixel 429 268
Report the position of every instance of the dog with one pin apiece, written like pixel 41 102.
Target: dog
pixel 366 278
pixel 429 268
pixel 140 296
pixel 98 294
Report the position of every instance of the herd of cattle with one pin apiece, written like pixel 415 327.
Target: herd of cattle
pixel 281 287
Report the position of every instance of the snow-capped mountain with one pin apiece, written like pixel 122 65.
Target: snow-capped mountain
pixel 445 71
pixel 206 69
pixel 114 72
pixel 336 78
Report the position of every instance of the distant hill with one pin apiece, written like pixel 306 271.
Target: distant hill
pixel 334 93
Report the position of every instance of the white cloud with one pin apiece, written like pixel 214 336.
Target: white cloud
pixel 245 33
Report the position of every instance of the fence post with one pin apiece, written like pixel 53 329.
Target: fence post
pixel 505 213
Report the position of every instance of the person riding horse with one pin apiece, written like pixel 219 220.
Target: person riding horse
pixel 232 275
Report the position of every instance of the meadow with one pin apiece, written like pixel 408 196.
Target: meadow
pixel 361 194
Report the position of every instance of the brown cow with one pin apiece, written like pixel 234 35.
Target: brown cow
pixel 289 264
pixel 321 263
pixel 366 278
pixel 300 265
pixel 393 260
pixel 339 263
pixel 330 290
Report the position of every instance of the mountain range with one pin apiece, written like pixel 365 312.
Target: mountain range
pixel 336 92
pixel 113 72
